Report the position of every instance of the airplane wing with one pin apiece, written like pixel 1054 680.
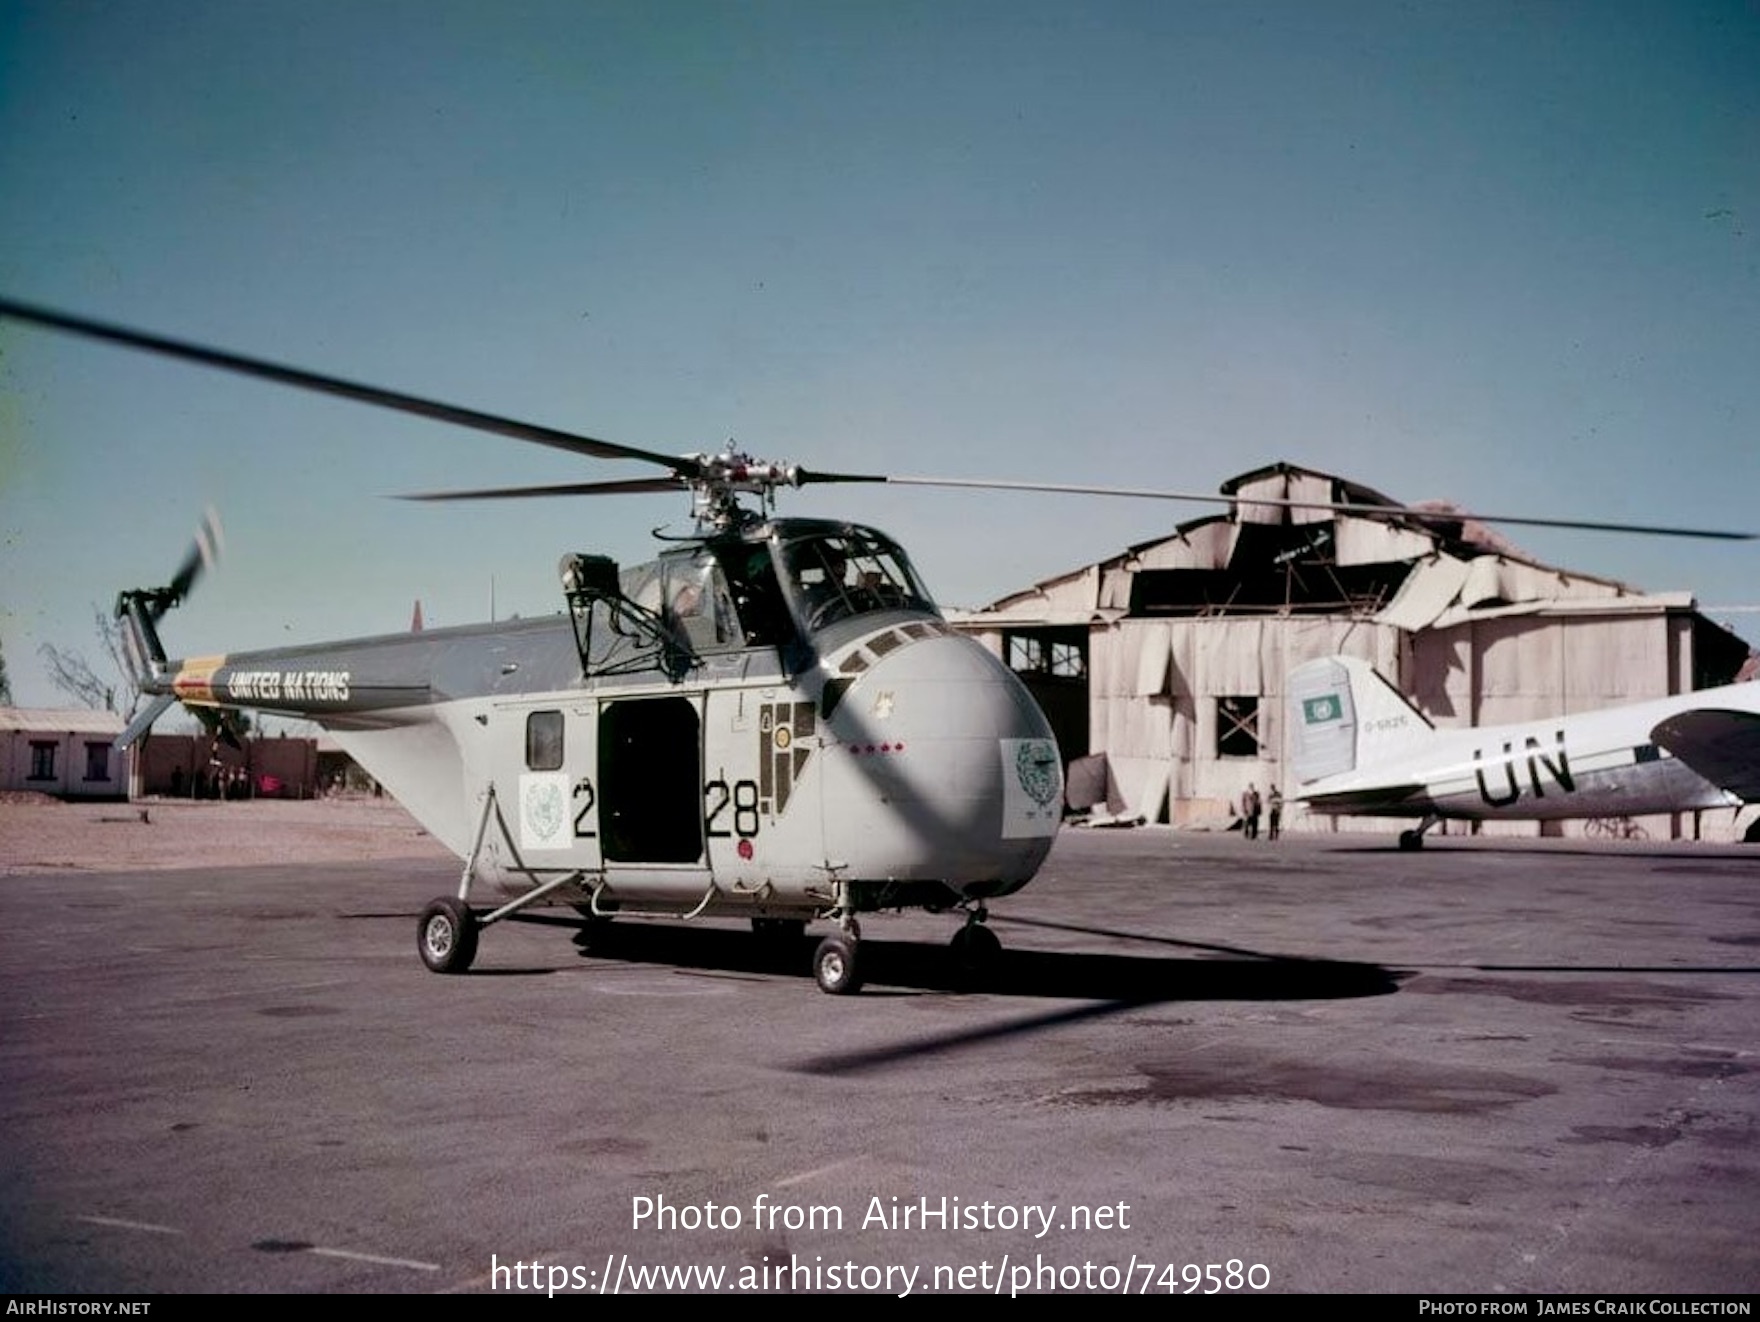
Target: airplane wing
pixel 1389 800
pixel 1722 746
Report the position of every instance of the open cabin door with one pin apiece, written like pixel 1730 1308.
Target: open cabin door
pixel 649 813
pixel 650 781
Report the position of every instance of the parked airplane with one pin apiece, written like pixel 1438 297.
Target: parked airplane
pixel 1358 748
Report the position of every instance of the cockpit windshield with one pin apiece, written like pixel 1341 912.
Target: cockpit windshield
pixel 853 571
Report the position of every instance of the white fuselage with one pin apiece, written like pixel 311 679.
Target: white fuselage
pixel 1601 763
pixel 933 767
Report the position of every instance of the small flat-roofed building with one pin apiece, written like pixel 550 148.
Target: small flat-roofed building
pixel 69 752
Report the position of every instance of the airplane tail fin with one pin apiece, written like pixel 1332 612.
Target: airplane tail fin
pixel 1342 715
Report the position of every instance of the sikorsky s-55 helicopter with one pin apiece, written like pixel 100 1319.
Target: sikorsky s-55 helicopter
pixel 771 721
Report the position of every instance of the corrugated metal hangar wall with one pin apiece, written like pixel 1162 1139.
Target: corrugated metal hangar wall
pixel 1170 658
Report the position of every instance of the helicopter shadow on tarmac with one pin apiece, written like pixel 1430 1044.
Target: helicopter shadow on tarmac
pixel 1231 973
pixel 1100 984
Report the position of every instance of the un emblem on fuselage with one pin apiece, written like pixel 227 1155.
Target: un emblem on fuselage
pixel 544 810
pixel 1035 766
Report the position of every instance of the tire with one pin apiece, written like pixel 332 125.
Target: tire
pixel 976 949
pixel 1411 840
pixel 446 936
pixel 835 966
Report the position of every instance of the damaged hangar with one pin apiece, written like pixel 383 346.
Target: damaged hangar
pixel 1170 658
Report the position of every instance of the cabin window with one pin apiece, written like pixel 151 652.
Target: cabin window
pixel 544 741
pixel 1237 727
pixel 755 597
pixel 97 761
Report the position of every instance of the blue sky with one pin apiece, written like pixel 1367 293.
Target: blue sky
pixel 1507 255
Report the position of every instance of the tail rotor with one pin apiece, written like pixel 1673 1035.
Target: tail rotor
pixel 140 610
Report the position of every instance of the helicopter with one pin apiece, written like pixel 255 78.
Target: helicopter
pixel 771 721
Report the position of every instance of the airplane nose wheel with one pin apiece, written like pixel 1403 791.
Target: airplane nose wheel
pixel 447 936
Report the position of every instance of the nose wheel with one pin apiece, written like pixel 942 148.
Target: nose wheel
pixel 976 949
pixel 836 963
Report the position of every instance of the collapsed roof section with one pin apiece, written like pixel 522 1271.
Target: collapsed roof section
pixel 1413 567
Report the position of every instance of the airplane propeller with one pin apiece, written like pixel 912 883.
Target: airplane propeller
pixel 717 479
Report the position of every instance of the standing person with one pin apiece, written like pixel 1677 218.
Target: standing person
pixel 1251 805
pixel 1275 805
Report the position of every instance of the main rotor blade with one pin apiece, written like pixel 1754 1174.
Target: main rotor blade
pixel 1335 506
pixel 806 477
pixel 625 487
pixel 330 385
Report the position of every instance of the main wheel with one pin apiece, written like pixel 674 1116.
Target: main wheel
pixel 1411 839
pixel 835 967
pixel 976 949
pixel 447 936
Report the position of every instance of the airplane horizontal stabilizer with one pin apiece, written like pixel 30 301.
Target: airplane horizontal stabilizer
pixel 1722 746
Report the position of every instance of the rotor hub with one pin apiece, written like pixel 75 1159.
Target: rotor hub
pixel 721 478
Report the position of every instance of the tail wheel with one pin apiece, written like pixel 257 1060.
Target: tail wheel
pixel 447 936
pixel 835 967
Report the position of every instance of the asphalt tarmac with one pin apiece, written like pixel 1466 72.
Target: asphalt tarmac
pixel 1315 1065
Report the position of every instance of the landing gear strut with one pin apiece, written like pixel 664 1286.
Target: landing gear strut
pixel 446 936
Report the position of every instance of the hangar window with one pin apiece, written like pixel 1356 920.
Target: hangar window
pixel 544 741
pixel 97 761
pixel 1237 727
pixel 42 760
pixel 1062 653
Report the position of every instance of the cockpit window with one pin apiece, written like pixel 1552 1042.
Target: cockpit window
pixel 756 599
pixel 834 576
pixel 698 606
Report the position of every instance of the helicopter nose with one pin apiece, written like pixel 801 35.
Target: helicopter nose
pixel 940 766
